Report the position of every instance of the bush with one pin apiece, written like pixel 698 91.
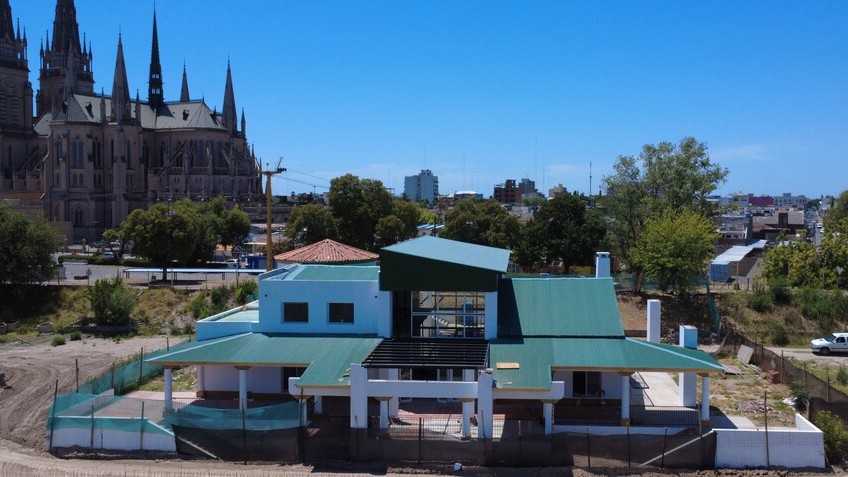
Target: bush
pixel 197 307
pixel 779 335
pixel 799 392
pixel 835 437
pixel 760 300
pixel 842 376
pixel 780 291
pixel 58 340
pixel 111 302
pixel 246 291
pixel 76 335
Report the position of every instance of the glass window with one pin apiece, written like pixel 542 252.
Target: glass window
pixel 341 312
pixel 448 314
pixel 295 312
pixel 587 383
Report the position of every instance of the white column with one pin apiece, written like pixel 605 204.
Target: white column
pixel 705 397
pixel 625 399
pixel 358 397
pixel 467 405
pixel 304 411
pixel 242 387
pixel 201 379
pixel 548 413
pixel 485 404
pixel 654 310
pixel 169 394
pixel 394 403
pixel 384 414
pixel 319 405
pixel 688 382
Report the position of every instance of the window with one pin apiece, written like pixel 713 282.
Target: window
pixel 295 312
pixel 440 314
pixel 587 383
pixel 341 312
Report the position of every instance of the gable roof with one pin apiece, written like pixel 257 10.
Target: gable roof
pixel 441 265
pixel 533 360
pixel 558 307
pixel 327 252
pixel 326 358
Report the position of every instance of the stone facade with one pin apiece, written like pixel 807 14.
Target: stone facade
pixel 90 159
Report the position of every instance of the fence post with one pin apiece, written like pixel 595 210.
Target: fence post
pixel 588 449
pixel 243 437
pixel 76 366
pixel 805 377
pixel 141 439
pixel 665 445
pixel 91 443
pixel 628 446
pixel 140 365
pixel 420 436
pixel 167 344
pixel 782 379
pixel 53 416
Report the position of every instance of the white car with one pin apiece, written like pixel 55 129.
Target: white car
pixel 837 342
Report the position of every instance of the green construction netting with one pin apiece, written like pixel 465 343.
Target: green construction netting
pixel 278 416
pixel 128 375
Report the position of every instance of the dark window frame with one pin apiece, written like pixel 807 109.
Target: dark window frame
pixel 292 309
pixel 344 313
pixel 587 383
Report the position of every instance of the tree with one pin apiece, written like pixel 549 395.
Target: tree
pixel 26 245
pixel 663 177
pixel 409 214
pixel 111 302
pixel 484 222
pixel 309 224
pixel 358 205
pixel 163 234
pixel 838 211
pixel 390 230
pixel 674 247
pixel 563 230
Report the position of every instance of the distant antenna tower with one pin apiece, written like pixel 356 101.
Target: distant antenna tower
pixel 590 178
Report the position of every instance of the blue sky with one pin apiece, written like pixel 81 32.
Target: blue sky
pixel 483 91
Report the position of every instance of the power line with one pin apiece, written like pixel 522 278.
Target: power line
pixel 309 175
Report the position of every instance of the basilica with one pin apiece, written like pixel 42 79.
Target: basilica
pixel 86 159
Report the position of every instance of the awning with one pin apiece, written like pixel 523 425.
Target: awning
pixel 327 359
pixel 527 363
pixel 423 353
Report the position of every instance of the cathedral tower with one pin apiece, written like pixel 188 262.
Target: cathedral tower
pixel 229 115
pixel 15 88
pixel 154 92
pixel 65 64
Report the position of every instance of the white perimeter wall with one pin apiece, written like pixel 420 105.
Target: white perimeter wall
pixel 113 439
pixel 790 448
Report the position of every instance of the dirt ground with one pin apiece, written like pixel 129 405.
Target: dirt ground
pixel 31 371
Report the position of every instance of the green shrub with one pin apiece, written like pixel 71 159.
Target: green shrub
pixel 197 306
pixel 760 300
pixel 780 291
pixel 816 304
pixel 58 340
pixel 246 291
pixel 842 376
pixel 779 335
pixel 219 297
pixel 111 302
pixel 799 392
pixel 76 335
pixel 835 437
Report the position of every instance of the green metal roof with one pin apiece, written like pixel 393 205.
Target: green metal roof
pixel 337 273
pixel 326 358
pixel 432 263
pixel 558 307
pixel 537 358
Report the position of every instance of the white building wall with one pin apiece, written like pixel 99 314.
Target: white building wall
pixel 112 439
pixel 371 307
pixel 220 378
pixel 261 379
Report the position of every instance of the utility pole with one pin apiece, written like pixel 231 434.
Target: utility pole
pixel 269 244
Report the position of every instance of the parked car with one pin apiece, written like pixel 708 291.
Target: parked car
pixel 835 343
pixel 109 255
pixel 232 263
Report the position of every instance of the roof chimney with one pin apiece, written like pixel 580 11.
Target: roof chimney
pixel 602 265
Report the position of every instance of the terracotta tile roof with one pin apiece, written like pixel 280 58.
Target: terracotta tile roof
pixel 327 251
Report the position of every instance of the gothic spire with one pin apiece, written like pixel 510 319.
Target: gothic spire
pixel 154 93
pixel 184 96
pixel 65 27
pixel 228 115
pixel 120 86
